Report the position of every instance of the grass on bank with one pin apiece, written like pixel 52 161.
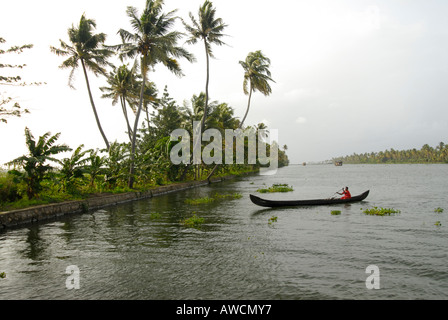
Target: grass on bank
pixel 13 197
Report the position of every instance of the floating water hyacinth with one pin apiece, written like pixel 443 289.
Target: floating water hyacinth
pixel 214 198
pixel 276 188
pixel 193 222
pixel 375 211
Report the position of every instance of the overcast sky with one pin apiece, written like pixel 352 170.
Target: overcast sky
pixel 351 76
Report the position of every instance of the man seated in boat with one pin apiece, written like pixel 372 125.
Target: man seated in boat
pixel 345 193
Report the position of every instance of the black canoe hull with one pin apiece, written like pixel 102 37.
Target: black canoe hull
pixel 293 203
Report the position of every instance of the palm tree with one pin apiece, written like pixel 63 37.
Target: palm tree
pixel 123 86
pixel 34 163
pixel 209 30
pixel 152 41
pixel 87 50
pixel 256 76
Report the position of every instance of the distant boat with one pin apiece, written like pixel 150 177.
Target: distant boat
pixel 293 203
pixel 338 163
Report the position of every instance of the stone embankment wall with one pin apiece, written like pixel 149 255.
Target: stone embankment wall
pixel 49 211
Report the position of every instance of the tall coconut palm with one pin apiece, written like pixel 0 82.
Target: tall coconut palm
pixel 209 30
pixel 86 50
pixel 153 42
pixel 256 76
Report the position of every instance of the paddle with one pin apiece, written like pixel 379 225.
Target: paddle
pixel 336 192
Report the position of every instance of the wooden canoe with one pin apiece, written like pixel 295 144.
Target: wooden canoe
pixel 316 202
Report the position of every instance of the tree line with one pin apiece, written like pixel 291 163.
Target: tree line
pixel 426 154
pixel 149 116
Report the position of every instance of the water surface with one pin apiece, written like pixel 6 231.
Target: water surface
pixel 140 250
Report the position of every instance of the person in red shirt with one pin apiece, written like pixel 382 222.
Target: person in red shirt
pixel 345 193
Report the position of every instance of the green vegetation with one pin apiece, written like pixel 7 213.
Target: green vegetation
pixel 335 212
pixel 235 195
pixel 426 154
pixel 199 201
pixel 34 164
pixel 2 275
pixel 45 174
pixel 214 198
pixel 438 210
pixel 438 224
pixel 272 220
pixel 193 222
pixel 256 76
pixel 375 211
pixel 276 188
pixel 87 50
pixel 155 215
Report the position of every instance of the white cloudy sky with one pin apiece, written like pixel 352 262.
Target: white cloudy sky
pixel 351 76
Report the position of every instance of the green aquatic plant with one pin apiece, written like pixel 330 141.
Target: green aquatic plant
pixel 276 188
pixel 375 211
pixel 155 215
pixel 214 198
pixel 235 195
pixel 438 224
pixel 272 220
pixel 2 275
pixel 335 212
pixel 438 210
pixel 199 200
pixel 193 222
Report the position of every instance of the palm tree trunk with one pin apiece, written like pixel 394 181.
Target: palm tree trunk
pixel 147 116
pixel 248 106
pixel 240 126
pixel 204 116
pixel 123 106
pixel 134 133
pixel 93 106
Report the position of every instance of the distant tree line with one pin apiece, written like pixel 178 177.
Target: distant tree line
pixel 427 154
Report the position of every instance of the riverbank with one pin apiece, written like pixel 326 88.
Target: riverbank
pixel 36 214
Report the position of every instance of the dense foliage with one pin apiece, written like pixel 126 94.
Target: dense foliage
pixel 47 173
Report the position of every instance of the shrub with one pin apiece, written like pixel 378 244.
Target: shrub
pixel 9 190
